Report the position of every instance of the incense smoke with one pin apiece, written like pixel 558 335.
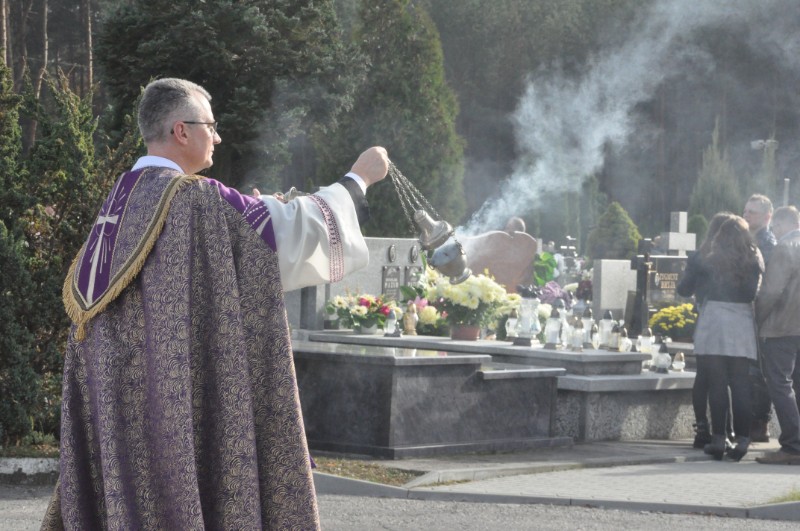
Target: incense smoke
pixel 564 127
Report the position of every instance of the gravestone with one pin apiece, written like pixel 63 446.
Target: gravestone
pixel 393 262
pixel 611 282
pixel 658 276
pixel 508 257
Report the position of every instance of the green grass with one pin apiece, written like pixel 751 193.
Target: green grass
pixel 791 497
pixel 356 469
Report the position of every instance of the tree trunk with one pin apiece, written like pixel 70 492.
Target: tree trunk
pixel 87 28
pixel 45 42
pixel 4 30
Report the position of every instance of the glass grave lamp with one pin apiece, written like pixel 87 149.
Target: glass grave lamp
pixel 595 335
pixel 528 322
pixel 587 320
pixel 625 343
pixel 577 335
pixel 613 337
pixel 552 329
pixel 645 342
pixel 566 329
pixel 663 359
pixel 391 328
pixel 606 325
pixel 679 363
pixel 511 325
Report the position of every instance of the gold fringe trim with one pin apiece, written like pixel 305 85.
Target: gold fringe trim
pixel 80 316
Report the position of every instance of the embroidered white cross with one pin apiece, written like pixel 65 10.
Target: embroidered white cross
pixel 97 261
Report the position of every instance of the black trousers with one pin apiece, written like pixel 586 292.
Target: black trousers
pixel 722 372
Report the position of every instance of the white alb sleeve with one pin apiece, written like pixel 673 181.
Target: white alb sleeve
pixel 317 236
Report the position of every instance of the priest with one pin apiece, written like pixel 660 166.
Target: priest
pixel 180 405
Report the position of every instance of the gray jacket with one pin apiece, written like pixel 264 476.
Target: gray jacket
pixel 778 301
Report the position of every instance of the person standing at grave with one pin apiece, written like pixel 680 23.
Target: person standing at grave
pixel 778 317
pixel 180 404
pixel 695 281
pixel 725 338
pixel 758 214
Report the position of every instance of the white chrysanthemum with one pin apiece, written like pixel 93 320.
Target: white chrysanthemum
pixel 360 311
pixel 428 315
pixel 545 310
pixel 571 287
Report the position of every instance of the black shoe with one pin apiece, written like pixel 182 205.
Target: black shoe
pixel 759 431
pixel 716 448
pixel 740 450
pixel 702 436
pixel 781 457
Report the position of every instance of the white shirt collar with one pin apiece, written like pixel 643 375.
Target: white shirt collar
pixel 153 160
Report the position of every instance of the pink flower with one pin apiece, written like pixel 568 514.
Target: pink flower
pixel 420 303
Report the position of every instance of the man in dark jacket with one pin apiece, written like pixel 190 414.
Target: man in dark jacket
pixel 778 317
pixel 758 214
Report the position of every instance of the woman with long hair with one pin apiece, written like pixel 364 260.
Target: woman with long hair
pixel 694 281
pixel 725 337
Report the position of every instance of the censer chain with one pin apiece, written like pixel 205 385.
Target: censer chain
pixel 410 197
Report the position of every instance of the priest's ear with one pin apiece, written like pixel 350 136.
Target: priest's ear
pixel 178 132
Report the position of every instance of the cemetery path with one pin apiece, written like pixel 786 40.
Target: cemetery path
pixel 662 476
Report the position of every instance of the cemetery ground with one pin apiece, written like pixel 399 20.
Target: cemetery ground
pixel 598 485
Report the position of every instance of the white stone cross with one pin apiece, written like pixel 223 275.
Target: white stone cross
pixel 677 240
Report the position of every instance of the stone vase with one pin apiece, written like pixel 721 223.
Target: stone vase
pixel 464 332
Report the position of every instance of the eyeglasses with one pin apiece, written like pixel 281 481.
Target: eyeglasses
pixel 212 124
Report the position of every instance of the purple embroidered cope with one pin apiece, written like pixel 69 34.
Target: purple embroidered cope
pixel 94 274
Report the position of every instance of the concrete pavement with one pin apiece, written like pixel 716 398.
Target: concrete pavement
pixel 636 476
pixel 662 476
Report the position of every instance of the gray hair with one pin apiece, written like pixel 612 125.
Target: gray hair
pixel 763 201
pixel 162 100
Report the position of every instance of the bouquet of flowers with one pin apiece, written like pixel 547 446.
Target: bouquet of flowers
pixel 362 310
pixel 677 322
pixel 477 301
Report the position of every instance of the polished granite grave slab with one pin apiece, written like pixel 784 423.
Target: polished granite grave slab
pixel 587 362
pixel 400 402
pixel 604 395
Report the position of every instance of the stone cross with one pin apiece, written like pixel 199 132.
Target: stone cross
pixel 677 241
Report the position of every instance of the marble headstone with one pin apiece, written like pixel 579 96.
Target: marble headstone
pixel 508 257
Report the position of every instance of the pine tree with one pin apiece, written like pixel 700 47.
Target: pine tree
pixel 717 186
pixel 615 237
pixel 406 106
pixel 12 200
pixel 276 71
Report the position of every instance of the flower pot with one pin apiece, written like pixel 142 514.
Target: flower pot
pixel 465 332
pixel 367 330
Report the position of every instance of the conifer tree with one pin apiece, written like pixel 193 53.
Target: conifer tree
pixel 276 71
pixel 406 106
pixel 717 186
pixel 615 236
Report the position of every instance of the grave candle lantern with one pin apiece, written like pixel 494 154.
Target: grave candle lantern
pixel 577 335
pixel 587 321
pixel 552 329
pixel 606 324
pixel 613 337
pixel 625 343
pixel 595 335
pixel 663 359
pixel 511 325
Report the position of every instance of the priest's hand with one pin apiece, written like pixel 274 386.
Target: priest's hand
pixel 372 165
pixel 279 196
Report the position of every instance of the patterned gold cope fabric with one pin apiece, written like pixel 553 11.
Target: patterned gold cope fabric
pixel 181 408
